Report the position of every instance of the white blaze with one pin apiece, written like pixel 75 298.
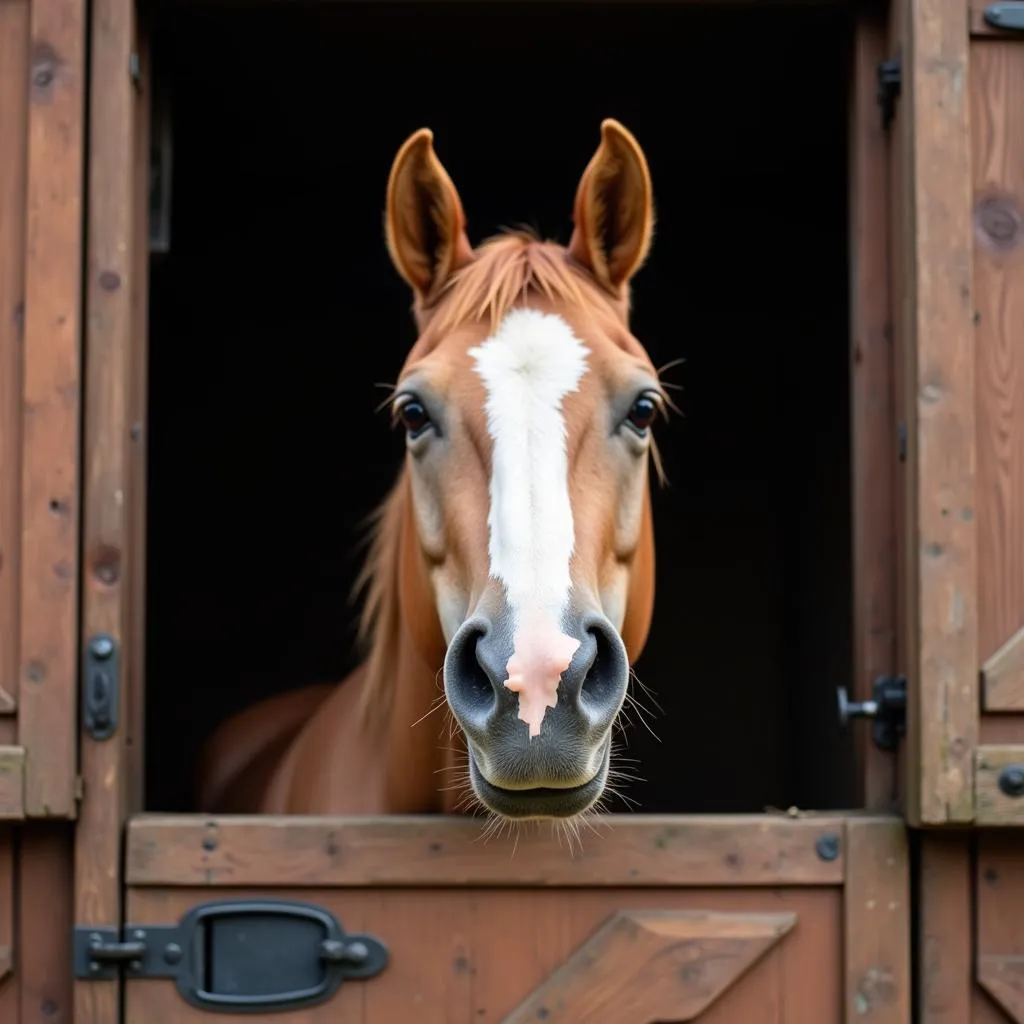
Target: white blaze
pixel 528 366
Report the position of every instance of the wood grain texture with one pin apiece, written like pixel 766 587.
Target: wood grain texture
pixel 108 487
pixel 876 922
pixel 945 927
pixel 997 82
pixel 999 883
pixel 873 416
pixel 8 985
pixel 12 783
pixel 47 714
pixel 652 966
pixel 992 805
pixel 45 911
pixel 1002 676
pixel 632 850
pixel 14 47
pixel 465 955
pixel 937 343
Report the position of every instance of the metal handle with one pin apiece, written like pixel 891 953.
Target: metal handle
pixel 854 708
pixel 1007 15
pixel 887 710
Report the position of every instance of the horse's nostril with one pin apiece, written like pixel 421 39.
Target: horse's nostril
pixel 605 678
pixel 469 686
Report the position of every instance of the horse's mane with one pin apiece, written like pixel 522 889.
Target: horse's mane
pixel 507 269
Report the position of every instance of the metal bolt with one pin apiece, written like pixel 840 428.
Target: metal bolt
pixel 827 846
pixel 135 965
pixel 1011 780
pixel 172 953
pixel 102 647
pixel 357 953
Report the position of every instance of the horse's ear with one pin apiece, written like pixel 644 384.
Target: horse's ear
pixel 425 225
pixel 614 213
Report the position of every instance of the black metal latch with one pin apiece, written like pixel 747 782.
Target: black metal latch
pixel 887 710
pixel 101 673
pixel 889 85
pixel 1007 15
pixel 237 956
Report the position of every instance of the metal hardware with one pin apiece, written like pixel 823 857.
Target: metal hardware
pixel 889 76
pixel 101 672
pixel 237 956
pixel 135 71
pixel 901 440
pixel 887 710
pixel 1011 780
pixel 827 846
pixel 1008 15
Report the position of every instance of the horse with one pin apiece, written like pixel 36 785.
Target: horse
pixel 513 558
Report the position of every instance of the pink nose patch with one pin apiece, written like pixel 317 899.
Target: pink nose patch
pixel 540 655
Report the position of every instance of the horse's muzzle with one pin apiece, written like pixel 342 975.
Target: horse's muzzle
pixel 563 770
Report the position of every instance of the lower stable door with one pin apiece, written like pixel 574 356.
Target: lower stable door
pixel 757 920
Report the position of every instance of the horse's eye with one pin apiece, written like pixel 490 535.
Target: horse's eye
pixel 641 416
pixel 414 417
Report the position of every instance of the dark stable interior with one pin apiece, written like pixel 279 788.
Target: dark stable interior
pixel 277 310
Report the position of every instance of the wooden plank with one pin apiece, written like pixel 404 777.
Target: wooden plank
pixel 47 715
pixel 135 521
pixel 14 47
pixel 999 956
pixel 937 341
pixel 466 956
pixel 873 425
pixel 635 850
pixel 44 922
pixel 1002 676
pixel 12 783
pixel 876 922
pixel 8 987
pixel 945 929
pixel 997 82
pixel 993 806
pixel 108 487
pixel 656 965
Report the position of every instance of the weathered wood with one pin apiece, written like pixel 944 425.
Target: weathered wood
pixel 945 927
pixel 996 84
pixel 873 425
pixel 14 37
pixel 936 337
pixel 876 922
pixel 44 921
pixel 999 941
pixel 624 850
pixel 12 783
pixel 466 955
pixel 108 487
pixel 1003 676
pixel 47 713
pixel 135 580
pixel 653 966
pixel 8 989
pixel 992 805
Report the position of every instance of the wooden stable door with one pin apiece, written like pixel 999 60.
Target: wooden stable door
pixel 775 919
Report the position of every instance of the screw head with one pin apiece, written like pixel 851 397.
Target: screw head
pixel 1011 780
pixel 172 953
pixel 827 846
pixel 102 647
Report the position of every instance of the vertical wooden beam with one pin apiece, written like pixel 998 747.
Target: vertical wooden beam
pixel 14 35
pixel 873 426
pixel 876 922
pixel 47 714
pixel 945 929
pixel 44 921
pixel 108 492
pixel 937 340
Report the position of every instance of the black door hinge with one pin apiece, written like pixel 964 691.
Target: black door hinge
pixel 236 956
pixel 890 85
pixel 101 679
pixel 887 710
